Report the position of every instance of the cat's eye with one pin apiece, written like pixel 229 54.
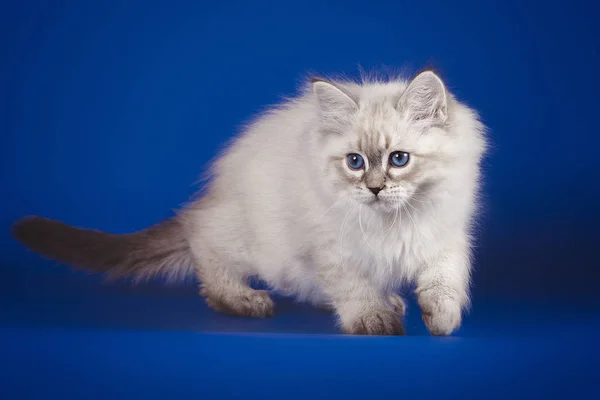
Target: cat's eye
pixel 355 161
pixel 399 159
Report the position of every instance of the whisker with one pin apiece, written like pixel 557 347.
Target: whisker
pixel 411 206
pixel 361 227
pixel 393 222
pixel 396 213
pixel 411 218
pixel 388 230
pixel 427 193
pixel 426 201
pixel 338 202
pixel 341 238
pixel 399 215
pixel 365 235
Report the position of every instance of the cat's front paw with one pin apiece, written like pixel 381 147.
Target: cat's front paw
pixel 375 322
pixel 441 313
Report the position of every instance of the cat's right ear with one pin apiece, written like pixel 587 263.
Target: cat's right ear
pixel 331 98
pixel 425 99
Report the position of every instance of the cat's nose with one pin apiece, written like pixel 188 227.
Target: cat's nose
pixel 375 190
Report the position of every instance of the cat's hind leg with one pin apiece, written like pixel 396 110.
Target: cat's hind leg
pixel 398 304
pixel 225 289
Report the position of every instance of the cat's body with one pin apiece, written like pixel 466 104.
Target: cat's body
pixel 285 205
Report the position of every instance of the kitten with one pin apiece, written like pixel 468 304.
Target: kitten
pixel 335 197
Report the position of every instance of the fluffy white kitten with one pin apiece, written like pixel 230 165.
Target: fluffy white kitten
pixel 336 197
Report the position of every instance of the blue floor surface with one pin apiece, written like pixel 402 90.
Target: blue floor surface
pixel 70 336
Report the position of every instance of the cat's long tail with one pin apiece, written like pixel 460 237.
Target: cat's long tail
pixel 161 250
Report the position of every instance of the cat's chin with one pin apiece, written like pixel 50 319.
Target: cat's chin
pixel 383 206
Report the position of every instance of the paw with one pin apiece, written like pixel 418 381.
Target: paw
pixel 441 313
pixel 376 322
pixel 398 304
pixel 251 303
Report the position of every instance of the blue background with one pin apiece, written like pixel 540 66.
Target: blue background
pixel 109 112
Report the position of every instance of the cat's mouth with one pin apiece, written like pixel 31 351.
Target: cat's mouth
pixel 378 203
pixel 383 204
pixel 375 201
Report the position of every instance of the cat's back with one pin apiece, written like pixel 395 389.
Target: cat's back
pixel 276 133
pixel 263 172
pixel 270 151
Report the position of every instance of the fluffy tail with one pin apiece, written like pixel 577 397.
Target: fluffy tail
pixel 161 249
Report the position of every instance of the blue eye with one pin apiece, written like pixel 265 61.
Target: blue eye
pixel 399 159
pixel 355 161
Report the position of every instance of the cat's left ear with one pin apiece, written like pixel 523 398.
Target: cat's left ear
pixel 425 99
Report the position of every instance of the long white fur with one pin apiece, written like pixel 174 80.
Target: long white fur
pixel 275 208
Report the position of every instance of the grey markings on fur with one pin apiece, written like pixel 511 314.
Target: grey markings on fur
pixel 310 228
pixel 141 255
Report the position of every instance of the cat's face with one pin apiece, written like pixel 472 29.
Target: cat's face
pixel 381 151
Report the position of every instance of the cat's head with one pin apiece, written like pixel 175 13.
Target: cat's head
pixel 385 144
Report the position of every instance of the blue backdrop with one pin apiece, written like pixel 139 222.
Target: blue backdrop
pixel 110 110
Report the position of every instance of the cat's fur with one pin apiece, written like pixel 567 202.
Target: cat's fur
pixel 284 206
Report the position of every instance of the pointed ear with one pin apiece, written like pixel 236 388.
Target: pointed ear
pixel 332 99
pixel 425 99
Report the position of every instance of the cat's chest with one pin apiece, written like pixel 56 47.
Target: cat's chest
pixel 391 256
pixel 374 244
pixel 383 241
